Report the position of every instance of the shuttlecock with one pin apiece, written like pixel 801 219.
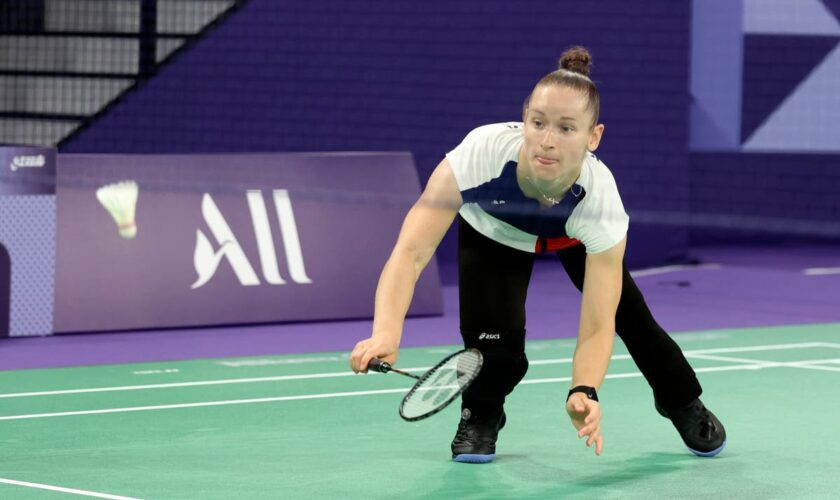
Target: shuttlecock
pixel 120 200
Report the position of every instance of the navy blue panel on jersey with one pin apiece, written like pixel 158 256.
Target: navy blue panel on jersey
pixel 503 199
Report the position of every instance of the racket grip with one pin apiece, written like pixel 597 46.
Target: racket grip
pixel 378 365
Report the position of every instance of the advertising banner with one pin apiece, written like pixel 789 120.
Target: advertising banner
pixel 27 170
pixel 149 241
pixel 27 240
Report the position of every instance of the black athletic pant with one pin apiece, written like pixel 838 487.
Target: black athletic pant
pixel 493 284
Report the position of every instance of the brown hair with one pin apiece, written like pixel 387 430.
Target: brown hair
pixel 573 72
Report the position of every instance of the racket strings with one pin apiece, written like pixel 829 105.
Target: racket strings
pixel 442 384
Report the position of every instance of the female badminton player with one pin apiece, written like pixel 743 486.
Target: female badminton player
pixel 522 188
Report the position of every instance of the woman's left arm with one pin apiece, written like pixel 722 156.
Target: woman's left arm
pixel 596 333
pixel 601 292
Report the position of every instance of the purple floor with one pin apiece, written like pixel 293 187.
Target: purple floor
pixel 733 288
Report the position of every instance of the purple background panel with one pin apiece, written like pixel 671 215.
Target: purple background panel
pixel 833 6
pixel 348 209
pixel 716 67
pixel 766 84
pixel 5 291
pixel 767 196
pixel 27 231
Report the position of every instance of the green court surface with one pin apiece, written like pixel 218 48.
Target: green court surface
pixel 304 426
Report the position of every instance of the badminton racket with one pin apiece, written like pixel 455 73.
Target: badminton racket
pixel 439 386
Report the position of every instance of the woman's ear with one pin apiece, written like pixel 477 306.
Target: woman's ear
pixel 595 137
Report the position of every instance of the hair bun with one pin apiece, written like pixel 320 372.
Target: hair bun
pixel 576 59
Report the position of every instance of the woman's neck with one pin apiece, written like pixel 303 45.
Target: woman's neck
pixel 547 192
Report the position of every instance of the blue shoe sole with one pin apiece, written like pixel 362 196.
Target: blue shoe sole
pixel 709 453
pixel 467 458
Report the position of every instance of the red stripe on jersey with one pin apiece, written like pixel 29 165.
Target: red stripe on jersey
pixel 554 244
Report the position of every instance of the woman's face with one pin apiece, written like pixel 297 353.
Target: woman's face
pixel 558 132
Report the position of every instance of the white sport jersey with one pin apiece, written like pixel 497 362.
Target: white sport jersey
pixel 484 165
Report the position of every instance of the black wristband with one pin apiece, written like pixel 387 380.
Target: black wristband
pixel 589 391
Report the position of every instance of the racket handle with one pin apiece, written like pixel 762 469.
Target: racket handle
pixel 378 365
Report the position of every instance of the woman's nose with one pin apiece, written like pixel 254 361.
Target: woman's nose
pixel 547 141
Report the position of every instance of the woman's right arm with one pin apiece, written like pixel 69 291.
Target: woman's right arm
pixel 422 230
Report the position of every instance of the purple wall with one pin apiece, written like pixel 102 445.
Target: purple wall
pixel 765 197
pixel 765 166
pixel 321 75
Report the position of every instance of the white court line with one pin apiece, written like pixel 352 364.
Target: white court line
pixel 728 359
pixel 670 269
pixel 768 347
pixel 65 490
pixel 753 365
pixel 704 352
pixel 816 365
pixel 820 271
pixel 811 364
pixel 347 373
pixel 560 361
pixel 207 403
